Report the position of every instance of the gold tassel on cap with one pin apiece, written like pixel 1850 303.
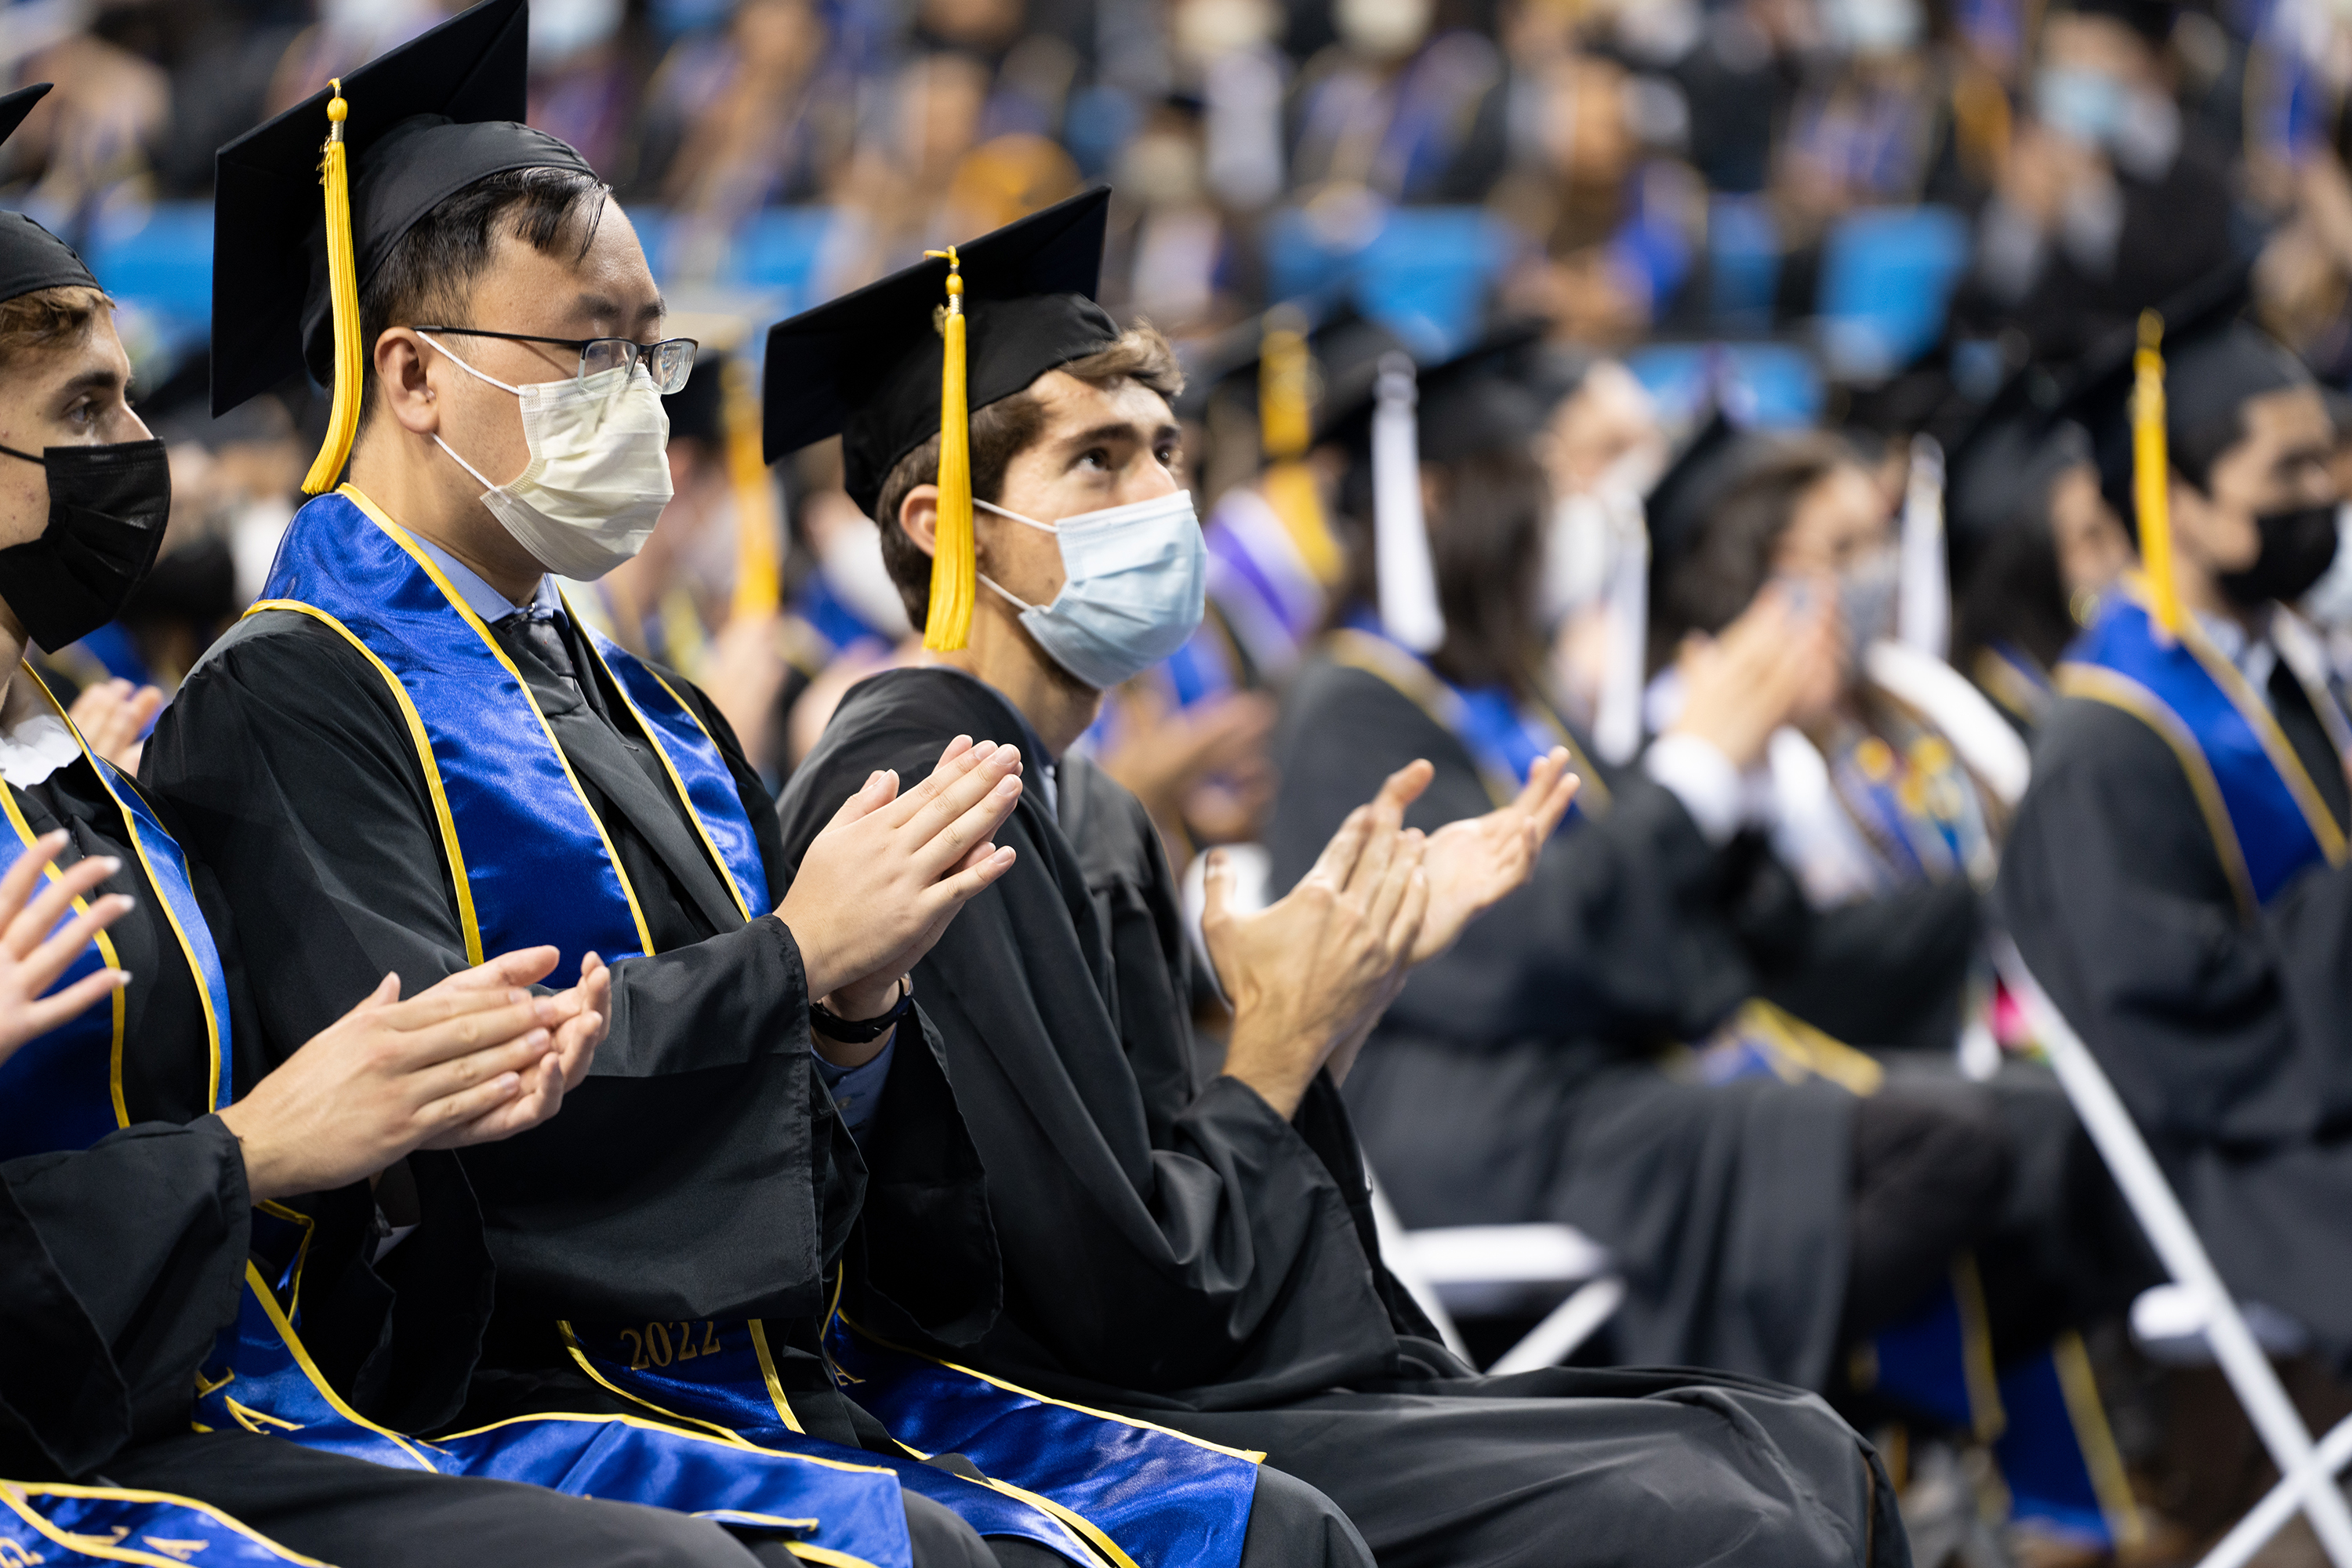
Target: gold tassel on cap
pixel 954 568
pixel 2151 475
pixel 758 573
pixel 343 291
pixel 1286 429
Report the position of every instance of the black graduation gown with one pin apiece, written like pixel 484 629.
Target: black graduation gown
pixel 123 1261
pixel 2225 1033
pixel 1520 1076
pixel 700 1171
pixel 1174 1249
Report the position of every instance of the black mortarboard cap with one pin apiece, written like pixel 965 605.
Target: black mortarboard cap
pixel 31 257
pixel 866 367
pixel 1676 506
pixel 424 122
pixel 2214 362
pixel 1478 401
pixel 2002 466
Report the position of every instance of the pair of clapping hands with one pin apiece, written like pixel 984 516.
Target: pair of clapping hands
pixel 1311 974
pixel 478 1057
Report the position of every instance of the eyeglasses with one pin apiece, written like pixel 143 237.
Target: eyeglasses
pixel 669 362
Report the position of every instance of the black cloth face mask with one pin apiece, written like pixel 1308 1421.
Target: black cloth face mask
pixel 2297 547
pixel 107 506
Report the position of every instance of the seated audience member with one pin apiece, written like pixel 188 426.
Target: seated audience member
pixel 135 1140
pixel 2174 875
pixel 410 752
pixel 1886 810
pixel 1200 1249
pixel 2035 546
pixel 1651 917
pixel 1766 1218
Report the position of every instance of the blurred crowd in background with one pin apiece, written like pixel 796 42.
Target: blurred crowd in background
pixel 1864 213
pixel 1888 203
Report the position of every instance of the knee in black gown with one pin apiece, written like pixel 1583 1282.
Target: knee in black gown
pixel 1932 1163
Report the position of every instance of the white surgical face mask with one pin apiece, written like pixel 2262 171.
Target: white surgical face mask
pixel 599 472
pixel 1135 580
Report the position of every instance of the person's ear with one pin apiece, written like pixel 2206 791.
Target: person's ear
pixel 403 382
pixel 919 517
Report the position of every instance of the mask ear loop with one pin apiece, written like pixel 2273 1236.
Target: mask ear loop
pixel 1032 522
pixel 478 375
pixel 27 456
pixel 444 349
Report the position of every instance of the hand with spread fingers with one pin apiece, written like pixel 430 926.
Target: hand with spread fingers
pixel 1310 973
pixel 1473 863
pixel 113 716
pixel 34 950
pixel 881 882
pixel 475 1059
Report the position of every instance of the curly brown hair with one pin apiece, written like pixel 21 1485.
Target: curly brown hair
pixel 49 318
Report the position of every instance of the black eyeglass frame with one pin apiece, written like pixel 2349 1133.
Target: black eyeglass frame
pixel 634 353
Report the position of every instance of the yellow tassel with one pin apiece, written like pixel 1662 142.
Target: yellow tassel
pixel 758 591
pixel 343 291
pixel 2151 474
pixel 1286 429
pixel 955 571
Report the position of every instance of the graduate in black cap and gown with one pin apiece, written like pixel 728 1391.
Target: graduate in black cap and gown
pixel 136 1135
pixel 1761 1225
pixel 2175 876
pixel 1201 1248
pixel 410 751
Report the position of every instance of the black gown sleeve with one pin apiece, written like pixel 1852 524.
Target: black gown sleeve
pixel 1623 932
pixel 1220 1261
pixel 288 765
pixel 2215 1024
pixel 122 1261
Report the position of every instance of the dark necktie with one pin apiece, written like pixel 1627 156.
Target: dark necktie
pixel 528 634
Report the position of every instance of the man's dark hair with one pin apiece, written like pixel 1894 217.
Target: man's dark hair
pixel 1731 561
pixel 1001 432
pixel 429 276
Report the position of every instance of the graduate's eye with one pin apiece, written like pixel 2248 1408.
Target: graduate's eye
pixel 1095 458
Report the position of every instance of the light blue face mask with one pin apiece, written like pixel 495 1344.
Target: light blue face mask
pixel 2090 106
pixel 1135 580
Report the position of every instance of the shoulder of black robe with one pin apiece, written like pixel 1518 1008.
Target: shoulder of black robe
pixel 2216 1026
pixel 288 767
pixel 133 1248
pixel 1163 1240
pixel 1629 930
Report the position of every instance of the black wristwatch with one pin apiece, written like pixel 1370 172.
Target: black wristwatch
pixel 859 1031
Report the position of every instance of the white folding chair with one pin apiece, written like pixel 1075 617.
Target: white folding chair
pixel 1477 1269
pixel 2306 1471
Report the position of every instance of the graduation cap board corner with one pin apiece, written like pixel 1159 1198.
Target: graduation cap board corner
pixel 308 205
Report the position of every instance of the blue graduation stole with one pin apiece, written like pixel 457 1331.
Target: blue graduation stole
pixel 2267 819
pixel 63 1089
pixel 541 869
pixel 54 1523
pixel 839 1507
pixel 1503 735
pixel 1916 809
